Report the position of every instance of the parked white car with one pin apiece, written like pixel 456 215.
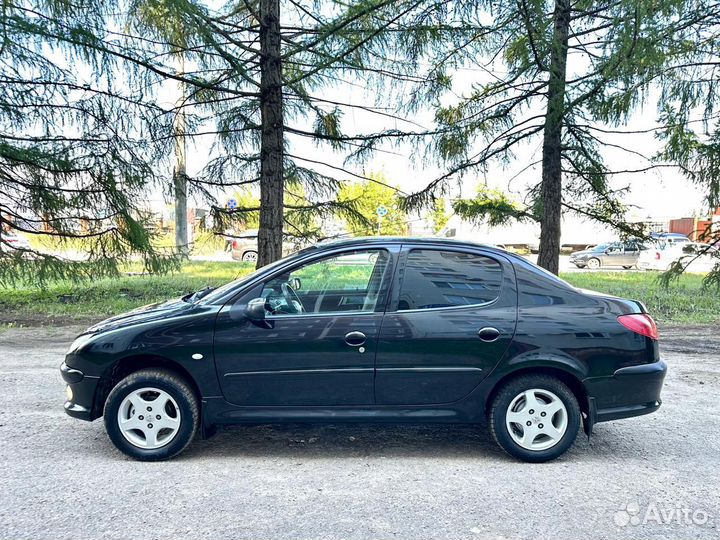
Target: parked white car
pixel 697 257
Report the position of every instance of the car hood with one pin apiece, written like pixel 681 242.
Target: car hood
pixel 584 253
pixel 150 312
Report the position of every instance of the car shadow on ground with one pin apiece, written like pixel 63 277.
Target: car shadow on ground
pixel 611 441
pixel 348 440
pixel 320 441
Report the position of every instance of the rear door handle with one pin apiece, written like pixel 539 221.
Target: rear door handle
pixel 355 339
pixel 489 334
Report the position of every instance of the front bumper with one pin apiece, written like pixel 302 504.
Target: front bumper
pixel 630 391
pixel 83 392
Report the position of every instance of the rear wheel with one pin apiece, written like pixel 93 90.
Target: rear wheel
pixel 249 256
pixel 535 418
pixel 627 267
pixel 151 415
pixel 593 263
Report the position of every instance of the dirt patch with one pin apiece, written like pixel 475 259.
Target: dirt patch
pixel 31 320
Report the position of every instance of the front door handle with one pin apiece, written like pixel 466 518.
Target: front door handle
pixel 355 339
pixel 489 334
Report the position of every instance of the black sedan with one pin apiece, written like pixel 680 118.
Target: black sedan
pixel 372 330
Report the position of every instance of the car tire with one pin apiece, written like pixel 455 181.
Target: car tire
pixel 510 410
pixel 593 263
pixel 250 256
pixel 171 427
pixel 627 267
pixel 580 265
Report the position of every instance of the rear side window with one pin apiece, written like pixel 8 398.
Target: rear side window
pixel 436 279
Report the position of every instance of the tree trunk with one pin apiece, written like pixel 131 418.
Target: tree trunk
pixel 551 187
pixel 180 173
pixel 271 143
pixel 180 183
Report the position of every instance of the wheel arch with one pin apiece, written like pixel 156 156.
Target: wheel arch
pixel 132 363
pixel 566 376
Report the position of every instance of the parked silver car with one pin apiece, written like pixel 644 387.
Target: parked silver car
pixel 245 246
pixel 623 254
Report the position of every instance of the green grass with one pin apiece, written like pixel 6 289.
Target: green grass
pixel 66 303
pixel 685 301
pixel 204 242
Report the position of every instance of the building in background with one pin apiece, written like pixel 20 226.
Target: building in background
pixel 697 228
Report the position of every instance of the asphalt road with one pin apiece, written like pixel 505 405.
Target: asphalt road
pixel 654 476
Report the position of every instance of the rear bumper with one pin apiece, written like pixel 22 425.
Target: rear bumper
pixel 630 391
pixel 647 265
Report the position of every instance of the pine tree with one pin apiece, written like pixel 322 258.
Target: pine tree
pixel 74 161
pixel 260 80
pixel 565 76
pixel 690 130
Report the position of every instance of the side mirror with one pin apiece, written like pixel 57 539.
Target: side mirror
pixel 295 283
pixel 255 309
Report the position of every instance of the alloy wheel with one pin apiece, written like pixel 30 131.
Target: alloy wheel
pixel 149 418
pixel 536 419
pixel 250 256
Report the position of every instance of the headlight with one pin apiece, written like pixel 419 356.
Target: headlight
pixel 69 392
pixel 79 342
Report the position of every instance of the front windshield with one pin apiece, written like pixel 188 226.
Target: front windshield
pixel 224 289
pixel 601 247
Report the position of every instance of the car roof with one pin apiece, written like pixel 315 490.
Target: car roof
pixel 429 240
pixel 670 235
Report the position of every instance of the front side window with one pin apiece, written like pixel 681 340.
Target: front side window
pixel 350 282
pixel 436 279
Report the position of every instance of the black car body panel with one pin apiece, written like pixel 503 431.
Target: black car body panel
pixel 431 363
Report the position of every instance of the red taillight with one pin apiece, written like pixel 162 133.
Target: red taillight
pixel 235 244
pixel 657 255
pixel 640 323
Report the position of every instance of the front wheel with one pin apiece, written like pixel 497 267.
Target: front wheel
pixel 535 418
pixel 151 415
pixel 627 267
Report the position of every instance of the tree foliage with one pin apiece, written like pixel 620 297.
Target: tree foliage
pixel 566 78
pixel 690 125
pixel 440 216
pixel 322 47
pixel 85 131
pixel 366 197
pixel 74 160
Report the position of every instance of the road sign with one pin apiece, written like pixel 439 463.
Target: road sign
pixel 381 211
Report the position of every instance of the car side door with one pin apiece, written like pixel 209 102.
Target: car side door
pixel 614 255
pixel 315 345
pixel 451 318
pixel 631 253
